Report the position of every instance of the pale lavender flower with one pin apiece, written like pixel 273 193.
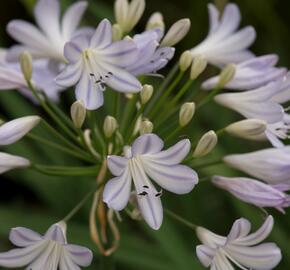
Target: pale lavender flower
pixel 224 43
pixel 143 161
pixel 151 57
pixel 99 62
pixel 49 39
pixel 255 192
pixel 9 162
pixel 50 251
pixel 251 74
pixel 270 165
pixel 239 248
pixel 256 103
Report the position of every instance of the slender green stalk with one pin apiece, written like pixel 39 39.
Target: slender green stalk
pixel 208 98
pixel 180 219
pixel 128 111
pixel 173 133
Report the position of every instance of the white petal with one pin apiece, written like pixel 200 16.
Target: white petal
pixel 72 51
pixel 230 20
pixel 70 75
pixel 205 254
pixel 89 92
pixel 149 204
pixel 72 18
pixel 259 235
pixel 262 257
pixel 56 233
pixel 66 262
pixel 240 228
pixel 213 18
pixel 80 255
pixel 102 36
pixel 9 162
pixel 221 262
pixel 178 179
pixel 173 155
pixel 117 191
pixel 11 78
pixel 21 257
pixel 47 15
pixel 209 238
pixel 117 164
pixel 147 144
pixel 23 237
pixel 14 130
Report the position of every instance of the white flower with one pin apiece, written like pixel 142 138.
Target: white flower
pixel 47 41
pixel 50 251
pixel 239 248
pixel 224 43
pixel 98 62
pixel 255 192
pixel 9 162
pixel 143 161
pixel 14 130
pixel 251 74
pixel 256 103
pixel 270 165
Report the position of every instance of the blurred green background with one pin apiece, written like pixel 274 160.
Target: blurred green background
pixel 36 201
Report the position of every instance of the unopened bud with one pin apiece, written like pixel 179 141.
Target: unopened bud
pixel 199 64
pixel 155 21
pixel 185 60
pixel 146 127
pixel 110 126
pixel 227 74
pixel 249 129
pixel 176 33
pixel 26 65
pixel 78 113
pixel 186 113
pixel 206 144
pixel 117 32
pixel 146 93
pixel 121 12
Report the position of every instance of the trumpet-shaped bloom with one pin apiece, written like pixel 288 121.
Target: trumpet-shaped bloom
pixel 99 62
pixel 270 165
pixel 239 248
pixel 254 192
pixel 224 43
pixel 143 161
pixel 256 103
pixel 50 251
pixel 251 74
pixel 49 39
pixel 14 130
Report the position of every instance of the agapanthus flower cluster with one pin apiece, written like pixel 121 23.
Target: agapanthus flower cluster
pixel 124 97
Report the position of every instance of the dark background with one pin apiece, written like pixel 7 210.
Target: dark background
pixel 36 201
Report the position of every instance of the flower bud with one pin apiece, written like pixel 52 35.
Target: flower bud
pixel 227 74
pixel 146 93
pixel 199 64
pixel 146 127
pixel 117 32
pixel 78 113
pixel 206 144
pixel 249 129
pixel 121 12
pixel 176 33
pixel 110 126
pixel 185 60
pixel 186 113
pixel 155 21
pixel 26 65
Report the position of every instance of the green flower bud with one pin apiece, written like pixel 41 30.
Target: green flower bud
pixel 185 60
pixel 146 127
pixel 155 21
pixel 26 65
pixel 78 113
pixel 186 113
pixel 110 126
pixel 206 144
pixel 227 74
pixel 199 64
pixel 146 93
pixel 117 32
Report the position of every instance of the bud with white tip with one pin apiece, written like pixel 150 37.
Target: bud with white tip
pixel 227 74
pixel 206 144
pixel 199 64
pixel 185 60
pixel 186 113
pixel 110 126
pixel 78 113
pixel 252 129
pixel 26 65
pixel 146 127
pixel 146 93
pixel 155 21
pixel 117 32
pixel 176 33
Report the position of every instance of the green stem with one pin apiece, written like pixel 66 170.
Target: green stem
pixel 172 134
pixel 180 219
pixel 208 98
pixel 128 111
